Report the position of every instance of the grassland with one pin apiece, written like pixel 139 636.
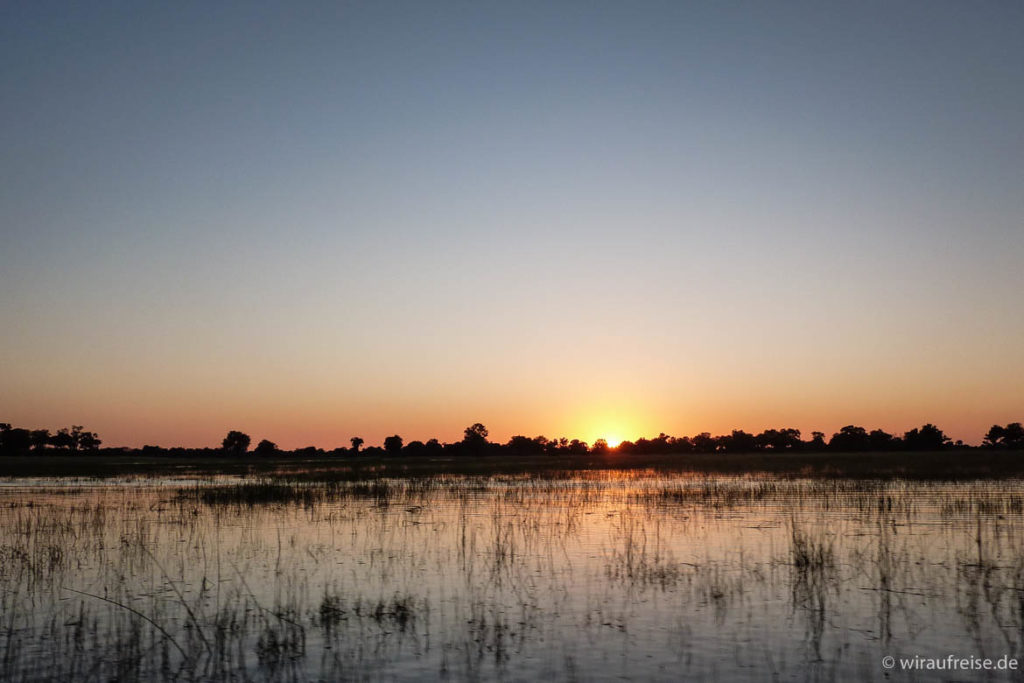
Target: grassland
pixel 946 465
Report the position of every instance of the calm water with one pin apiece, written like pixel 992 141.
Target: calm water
pixel 593 577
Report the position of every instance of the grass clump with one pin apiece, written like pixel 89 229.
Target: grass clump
pixel 810 552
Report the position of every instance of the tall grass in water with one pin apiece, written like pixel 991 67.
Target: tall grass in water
pixel 813 581
pixel 810 552
pixel 491 577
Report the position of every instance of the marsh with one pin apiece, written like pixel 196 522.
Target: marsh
pixel 589 575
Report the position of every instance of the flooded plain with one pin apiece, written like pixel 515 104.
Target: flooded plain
pixel 607 575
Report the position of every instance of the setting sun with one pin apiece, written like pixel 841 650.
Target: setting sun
pixel 479 340
pixel 615 423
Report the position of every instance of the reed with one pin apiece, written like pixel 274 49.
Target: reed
pixel 498 576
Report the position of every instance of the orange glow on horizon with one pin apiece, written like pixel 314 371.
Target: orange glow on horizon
pixel 614 423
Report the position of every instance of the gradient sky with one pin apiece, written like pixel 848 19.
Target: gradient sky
pixel 563 218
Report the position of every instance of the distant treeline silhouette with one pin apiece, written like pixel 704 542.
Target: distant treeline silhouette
pixel 66 440
pixel 18 441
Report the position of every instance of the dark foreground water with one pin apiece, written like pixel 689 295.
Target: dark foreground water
pixel 597 576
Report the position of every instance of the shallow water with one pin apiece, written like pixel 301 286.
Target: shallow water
pixel 600 576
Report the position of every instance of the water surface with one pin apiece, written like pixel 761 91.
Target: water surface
pixel 592 576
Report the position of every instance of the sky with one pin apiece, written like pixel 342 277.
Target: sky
pixel 312 221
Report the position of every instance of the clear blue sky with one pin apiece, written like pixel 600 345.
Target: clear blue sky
pixel 582 218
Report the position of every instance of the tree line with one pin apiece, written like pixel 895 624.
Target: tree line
pixel 65 440
pixel 850 438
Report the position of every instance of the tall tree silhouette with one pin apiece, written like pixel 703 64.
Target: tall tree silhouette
pixel 88 441
pixel 475 434
pixel 236 443
pixel 1013 435
pixel 64 440
pixel 1010 436
pixel 474 438
pixel 927 438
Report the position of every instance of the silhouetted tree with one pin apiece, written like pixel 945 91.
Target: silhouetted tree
pixel 235 443
pixel 64 440
pixel 474 441
pixel 787 439
pixel 19 439
pixel 475 431
pixel 40 439
pixel 879 440
pixel 577 447
pixel 475 438
pixel 661 444
pixel 994 437
pixel 265 447
pixel 1011 436
pixel 72 438
pixel 88 441
pixel 739 441
pixel 682 444
pixel 704 443
pixel 14 439
pixel 524 445
pixel 850 438
pixel 927 438
pixel 766 440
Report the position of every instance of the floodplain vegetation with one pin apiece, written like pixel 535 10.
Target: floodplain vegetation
pixel 310 575
pixel 920 453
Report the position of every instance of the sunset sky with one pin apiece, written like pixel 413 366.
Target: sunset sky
pixel 310 221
